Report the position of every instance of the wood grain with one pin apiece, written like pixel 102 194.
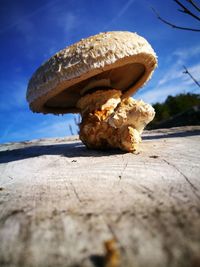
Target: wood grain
pixel 60 203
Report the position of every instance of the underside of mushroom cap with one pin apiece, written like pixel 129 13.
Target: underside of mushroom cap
pixel 121 60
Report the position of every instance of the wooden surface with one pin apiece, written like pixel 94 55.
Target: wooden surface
pixel 59 202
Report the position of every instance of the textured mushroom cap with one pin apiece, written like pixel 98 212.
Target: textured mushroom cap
pixel 120 60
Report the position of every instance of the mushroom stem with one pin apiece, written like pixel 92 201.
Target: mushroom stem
pixel 109 121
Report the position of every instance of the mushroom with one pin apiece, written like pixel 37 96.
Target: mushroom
pixel 96 77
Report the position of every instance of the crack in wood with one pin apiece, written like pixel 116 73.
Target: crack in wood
pixel 75 192
pixel 10 214
pixel 124 168
pixel 194 188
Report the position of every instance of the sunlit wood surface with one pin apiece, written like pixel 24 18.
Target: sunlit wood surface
pixel 60 203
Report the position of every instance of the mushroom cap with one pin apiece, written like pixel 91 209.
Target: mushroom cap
pixel 118 59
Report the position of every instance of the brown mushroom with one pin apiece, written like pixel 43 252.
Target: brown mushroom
pixel 96 77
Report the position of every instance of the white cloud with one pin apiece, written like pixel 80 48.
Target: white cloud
pixel 13 95
pixel 62 18
pixel 172 74
pixel 56 128
pixel 188 52
pixel 51 127
pixel 27 29
pixel 17 17
pixel 173 82
pixel 174 69
pixel 160 93
pixel 195 70
pixel 67 21
pixel 52 15
pixel 119 14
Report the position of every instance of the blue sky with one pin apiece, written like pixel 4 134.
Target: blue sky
pixel 32 31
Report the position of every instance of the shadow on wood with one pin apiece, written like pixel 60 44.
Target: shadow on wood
pixel 97 260
pixel 72 150
pixel 172 134
pixel 77 149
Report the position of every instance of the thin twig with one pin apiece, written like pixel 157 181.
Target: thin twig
pixel 194 5
pixel 187 72
pixel 70 128
pixel 186 10
pixel 173 25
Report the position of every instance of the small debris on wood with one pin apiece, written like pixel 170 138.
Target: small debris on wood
pixel 112 257
pixel 154 157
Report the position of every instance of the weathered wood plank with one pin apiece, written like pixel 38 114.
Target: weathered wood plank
pixel 60 202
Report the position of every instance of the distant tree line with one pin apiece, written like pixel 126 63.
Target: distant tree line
pixel 176 108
